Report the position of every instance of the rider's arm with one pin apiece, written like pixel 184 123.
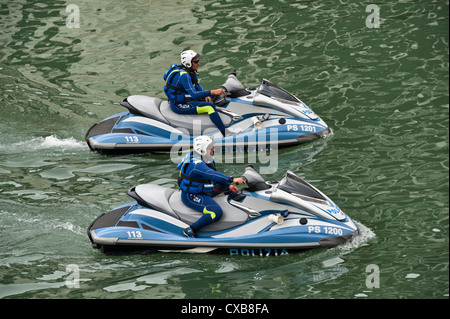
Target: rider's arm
pixel 186 82
pixel 204 171
pixel 200 88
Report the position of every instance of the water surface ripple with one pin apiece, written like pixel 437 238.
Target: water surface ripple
pixel 383 91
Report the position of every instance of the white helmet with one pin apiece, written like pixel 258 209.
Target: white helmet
pixel 187 56
pixel 202 145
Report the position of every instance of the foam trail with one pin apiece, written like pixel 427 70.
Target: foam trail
pixel 364 236
pixel 54 142
pixel 42 143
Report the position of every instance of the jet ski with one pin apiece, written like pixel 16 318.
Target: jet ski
pixel 265 218
pixel 261 118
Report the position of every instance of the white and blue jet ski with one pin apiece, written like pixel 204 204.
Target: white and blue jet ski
pixel 254 118
pixel 265 218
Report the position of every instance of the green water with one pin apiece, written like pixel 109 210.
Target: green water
pixel 383 91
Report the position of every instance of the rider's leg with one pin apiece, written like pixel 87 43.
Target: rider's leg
pixel 212 212
pixel 210 108
pixel 198 107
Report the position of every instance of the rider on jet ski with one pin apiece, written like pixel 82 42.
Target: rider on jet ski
pixel 199 181
pixel 185 94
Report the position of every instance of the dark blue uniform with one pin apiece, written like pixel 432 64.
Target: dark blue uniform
pixel 198 183
pixel 184 94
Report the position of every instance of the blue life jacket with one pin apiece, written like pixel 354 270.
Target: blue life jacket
pixel 190 184
pixel 174 93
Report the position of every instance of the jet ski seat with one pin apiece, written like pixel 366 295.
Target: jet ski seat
pixel 169 201
pixel 192 122
pixel 145 106
pixel 231 217
pixel 155 108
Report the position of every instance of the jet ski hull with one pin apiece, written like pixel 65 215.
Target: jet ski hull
pixel 113 136
pixel 298 233
pixel 255 222
pixel 263 118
